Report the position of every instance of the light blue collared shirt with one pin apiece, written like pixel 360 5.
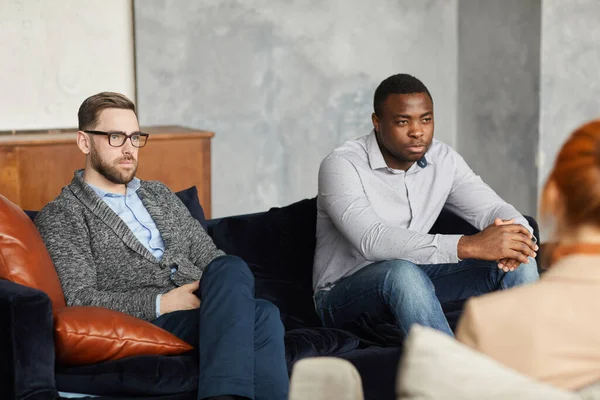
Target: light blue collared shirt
pixel 131 210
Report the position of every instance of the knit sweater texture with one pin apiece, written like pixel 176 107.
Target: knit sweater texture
pixel 101 263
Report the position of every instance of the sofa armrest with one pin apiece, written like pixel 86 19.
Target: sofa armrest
pixel 26 343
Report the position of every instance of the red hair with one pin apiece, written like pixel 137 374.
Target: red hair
pixel 576 176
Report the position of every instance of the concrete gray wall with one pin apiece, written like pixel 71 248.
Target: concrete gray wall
pixel 498 95
pixel 570 73
pixel 283 83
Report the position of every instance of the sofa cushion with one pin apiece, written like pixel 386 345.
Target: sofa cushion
pixel 189 197
pixel 132 377
pixel 23 255
pixel 159 375
pixel 279 246
pixel 325 378
pixel 591 392
pixel 88 335
pixel 314 342
pixel 433 363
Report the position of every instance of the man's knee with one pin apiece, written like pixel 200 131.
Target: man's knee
pixel 268 316
pixel 231 266
pixel 411 296
pixel 529 272
pixel 405 276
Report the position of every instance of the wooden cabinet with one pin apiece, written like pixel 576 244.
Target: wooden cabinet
pixel 35 165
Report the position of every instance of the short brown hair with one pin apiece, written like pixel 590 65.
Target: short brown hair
pixel 91 107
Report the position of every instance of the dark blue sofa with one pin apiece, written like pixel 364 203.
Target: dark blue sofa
pixel 279 247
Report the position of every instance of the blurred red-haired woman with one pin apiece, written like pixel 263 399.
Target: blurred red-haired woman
pixel 550 330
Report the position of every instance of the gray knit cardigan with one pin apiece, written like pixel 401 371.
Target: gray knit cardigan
pixel 101 263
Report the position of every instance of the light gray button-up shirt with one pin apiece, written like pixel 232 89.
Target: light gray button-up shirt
pixel 368 212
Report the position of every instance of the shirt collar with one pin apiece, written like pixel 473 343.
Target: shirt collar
pixel 377 161
pixel 132 187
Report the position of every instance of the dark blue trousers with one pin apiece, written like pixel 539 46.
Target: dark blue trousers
pixel 239 338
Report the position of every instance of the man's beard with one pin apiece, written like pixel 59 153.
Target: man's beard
pixel 110 172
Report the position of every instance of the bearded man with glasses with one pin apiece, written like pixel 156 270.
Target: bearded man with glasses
pixel 131 245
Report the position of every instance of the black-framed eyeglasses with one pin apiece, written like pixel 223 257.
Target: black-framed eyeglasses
pixel 117 139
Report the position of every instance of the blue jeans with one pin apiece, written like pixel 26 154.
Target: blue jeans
pixel 412 293
pixel 239 339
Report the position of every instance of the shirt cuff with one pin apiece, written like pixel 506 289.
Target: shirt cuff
pixel 158 305
pixel 448 249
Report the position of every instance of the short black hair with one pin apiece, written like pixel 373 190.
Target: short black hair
pixel 397 84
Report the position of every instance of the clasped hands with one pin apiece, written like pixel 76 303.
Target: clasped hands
pixel 504 241
pixel 510 264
